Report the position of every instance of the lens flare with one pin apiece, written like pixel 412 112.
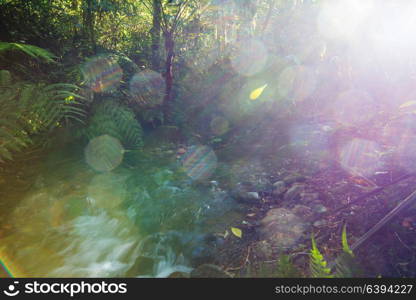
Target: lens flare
pixel 353 107
pixel 219 125
pixel 400 130
pixel 148 88
pixel 286 81
pixel 199 162
pixel 406 154
pixel 401 135
pixel 250 57
pixel 4 270
pixel 106 191
pixel 360 156
pixel 342 19
pixel 104 153
pixel 311 139
pixel 297 81
pixel 102 74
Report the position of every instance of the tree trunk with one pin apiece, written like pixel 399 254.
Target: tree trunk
pixel 156 29
pixel 169 47
pixel 89 26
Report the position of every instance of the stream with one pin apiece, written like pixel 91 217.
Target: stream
pixel 144 218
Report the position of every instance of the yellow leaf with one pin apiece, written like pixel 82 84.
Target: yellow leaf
pixel 407 104
pixel 237 232
pixel 69 98
pixel 257 92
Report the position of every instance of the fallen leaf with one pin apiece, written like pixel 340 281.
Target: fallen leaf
pixel 237 232
pixel 257 92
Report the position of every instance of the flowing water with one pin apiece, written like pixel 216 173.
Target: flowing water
pixel 145 218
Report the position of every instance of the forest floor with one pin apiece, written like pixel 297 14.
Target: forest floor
pixel 280 204
pixel 305 201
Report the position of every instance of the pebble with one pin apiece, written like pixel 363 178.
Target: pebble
pixel 279 188
pixel 253 196
pixel 294 178
pixel 181 151
pixel 294 193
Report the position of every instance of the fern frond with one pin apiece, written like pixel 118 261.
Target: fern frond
pixel 345 265
pixel 117 121
pixel 317 263
pixel 27 108
pixel 33 51
pixel 285 268
pixel 345 247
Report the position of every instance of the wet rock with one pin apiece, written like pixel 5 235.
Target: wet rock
pixel 244 193
pixel 304 212
pixel 263 250
pixel 202 255
pixel 253 196
pixel 178 275
pixel 142 266
pixel 294 193
pixel 307 198
pixel 201 248
pixel 209 271
pixel 281 228
pixel 279 188
pixel 320 209
pixel 293 178
pixel 320 223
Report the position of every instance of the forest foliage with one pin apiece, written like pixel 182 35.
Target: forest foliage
pixel 171 38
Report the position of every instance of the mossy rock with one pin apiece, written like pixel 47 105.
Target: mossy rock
pixel 209 271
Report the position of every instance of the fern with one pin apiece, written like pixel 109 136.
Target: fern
pixel 317 263
pixel 285 268
pixel 118 121
pixel 30 50
pixel 345 264
pixel 29 108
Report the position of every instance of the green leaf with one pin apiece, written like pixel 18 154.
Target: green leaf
pixel 237 232
pixel 345 247
pixel 30 50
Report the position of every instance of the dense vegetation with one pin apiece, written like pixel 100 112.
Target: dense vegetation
pixel 249 136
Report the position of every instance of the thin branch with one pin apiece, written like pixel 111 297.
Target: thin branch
pixel 164 24
pixel 192 13
pixel 387 218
